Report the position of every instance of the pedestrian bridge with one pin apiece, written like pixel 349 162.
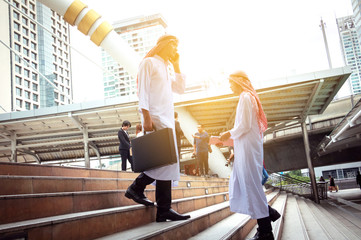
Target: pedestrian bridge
pixel 88 130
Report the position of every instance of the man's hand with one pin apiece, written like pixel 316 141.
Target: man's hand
pixel 225 136
pixel 148 123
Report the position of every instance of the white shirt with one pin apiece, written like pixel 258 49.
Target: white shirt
pixel 246 193
pixel 156 82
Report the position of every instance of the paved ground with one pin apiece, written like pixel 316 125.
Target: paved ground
pixel 347 194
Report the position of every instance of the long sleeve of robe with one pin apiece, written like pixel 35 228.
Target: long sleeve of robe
pixel 245 186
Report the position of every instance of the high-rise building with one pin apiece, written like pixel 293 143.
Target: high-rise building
pixel 47 54
pixel 356 8
pixel 141 33
pixel 351 50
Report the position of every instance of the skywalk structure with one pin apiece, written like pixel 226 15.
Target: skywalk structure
pixel 82 131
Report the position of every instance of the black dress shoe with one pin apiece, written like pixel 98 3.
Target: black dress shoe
pixel 273 214
pixel 262 236
pixel 170 215
pixel 139 198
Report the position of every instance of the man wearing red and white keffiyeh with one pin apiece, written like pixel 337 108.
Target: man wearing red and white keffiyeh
pixel 246 193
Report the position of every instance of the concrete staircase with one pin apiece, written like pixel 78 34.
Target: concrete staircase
pixel 330 219
pixel 51 202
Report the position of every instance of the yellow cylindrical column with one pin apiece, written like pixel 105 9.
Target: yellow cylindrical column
pixel 90 23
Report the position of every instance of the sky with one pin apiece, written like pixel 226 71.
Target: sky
pixel 266 39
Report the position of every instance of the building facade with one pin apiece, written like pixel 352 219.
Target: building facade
pixel 36 71
pixel 141 33
pixel 351 50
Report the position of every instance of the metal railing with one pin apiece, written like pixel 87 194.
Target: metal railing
pixel 296 186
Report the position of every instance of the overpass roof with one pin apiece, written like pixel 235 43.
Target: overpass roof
pixel 347 134
pixel 56 133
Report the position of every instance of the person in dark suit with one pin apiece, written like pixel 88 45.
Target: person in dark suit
pixel 178 132
pixel 124 145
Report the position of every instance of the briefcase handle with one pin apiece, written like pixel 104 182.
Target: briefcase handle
pixel 154 129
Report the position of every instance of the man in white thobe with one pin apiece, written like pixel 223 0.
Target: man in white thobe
pixel 246 193
pixel 158 77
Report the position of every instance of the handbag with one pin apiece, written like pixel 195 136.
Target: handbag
pixel 154 150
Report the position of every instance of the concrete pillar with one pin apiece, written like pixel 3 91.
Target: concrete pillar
pixel 14 154
pixel 216 160
pixel 86 148
pixel 309 162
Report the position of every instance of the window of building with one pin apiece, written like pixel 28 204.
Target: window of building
pixel 35 97
pixel 33 36
pixel 25 31
pixel 35 106
pixel 16 4
pixel 56 95
pixel 24 10
pixel 33 26
pixel 33 55
pixel 27 105
pixel 25 2
pixel 27 83
pixel 17 69
pixel 25 21
pixel 17 59
pixel 62 98
pixel 33 46
pixel 35 87
pixel 27 94
pixel 27 73
pixel 18 92
pixel 17 26
pixel 17 47
pixel 26 41
pixel 26 51
pixel 17 36
pixel 32 6
pixel 16 15
pixel 18 80
pixel 34 76
pixel 19 103
pixel 34 65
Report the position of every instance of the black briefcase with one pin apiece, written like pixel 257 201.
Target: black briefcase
pixel 153 150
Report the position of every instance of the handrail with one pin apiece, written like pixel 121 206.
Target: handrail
pixel 297 186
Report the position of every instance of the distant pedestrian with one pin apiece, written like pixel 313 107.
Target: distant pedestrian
pixel 138 130
pixel 178 132
pixel 321 179
pixel 358 178
pixel 332 184
pixel 124 145
pixel 201 140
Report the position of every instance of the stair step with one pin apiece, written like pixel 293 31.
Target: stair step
pixel 313 227
pixel 24 169
pixel 348 219
pixel 200 220
pixel 279 204
pixel 30 206
pixel 49 184
pixel 294 227
pixel 136 215
pixel 236 226
pixel 335 228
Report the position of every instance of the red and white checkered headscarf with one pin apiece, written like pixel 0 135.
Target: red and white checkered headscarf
pixel 242 80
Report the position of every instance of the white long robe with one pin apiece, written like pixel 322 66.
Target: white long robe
pixel 156 83
pixel 245 188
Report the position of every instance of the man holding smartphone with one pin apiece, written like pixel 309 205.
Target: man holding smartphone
pixel 158 77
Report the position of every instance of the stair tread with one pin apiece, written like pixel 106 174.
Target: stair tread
pixel 313 228
pixel 230 224
pixel 155 228
pixel 293 225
